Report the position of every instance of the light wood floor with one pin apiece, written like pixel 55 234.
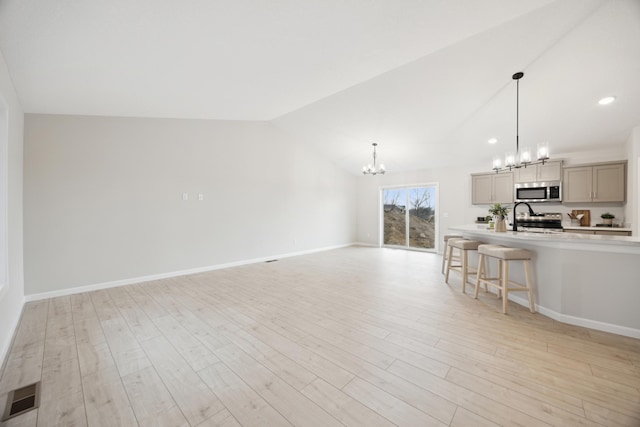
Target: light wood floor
pixel 356 336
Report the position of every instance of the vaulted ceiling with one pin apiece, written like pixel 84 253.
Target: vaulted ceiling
pixel 429 80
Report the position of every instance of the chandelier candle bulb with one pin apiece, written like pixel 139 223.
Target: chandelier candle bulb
pixel 509 160
pixel 497 163
pixel 543 151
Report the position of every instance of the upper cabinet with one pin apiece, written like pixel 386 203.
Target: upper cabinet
pixel 605 182
pixel 550 171
pixel 491 188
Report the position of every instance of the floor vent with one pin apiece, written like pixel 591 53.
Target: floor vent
pixel 22 400
pixel 271 260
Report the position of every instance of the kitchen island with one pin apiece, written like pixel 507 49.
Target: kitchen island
pixel 581 279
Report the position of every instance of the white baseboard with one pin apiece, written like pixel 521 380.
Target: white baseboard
pixel 579 321
pixel 134 280
pixel 370 245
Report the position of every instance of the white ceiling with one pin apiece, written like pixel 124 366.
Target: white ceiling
pixel 429 80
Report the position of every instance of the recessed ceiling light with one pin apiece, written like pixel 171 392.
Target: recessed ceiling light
pixel 492 141
pixel 607 100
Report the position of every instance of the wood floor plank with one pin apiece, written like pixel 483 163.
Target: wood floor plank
pixel 293 405
pixel 106 401
pixel 422 398
pixel 62 399
pixel 610 417
pixel 139 324
pixel 620 376
pixel 534 390
pixel 291 372
pixel 150 307
pixel 82 306
pixel 465 418
pixel 544 411
pixel 104 306
pixel 359 349
pixel 474 402
pixel 320 366
pixel 550 361
pixel 151 401
pixel 29 419
pixel 241 400
pixel 189 347
pixel 389 406
pixel 221 419
pixel 60 341
pixel 194 398
pixel 343 407
pixel 24 361
pixel 89 330
pixel 125 349
pixel 94 357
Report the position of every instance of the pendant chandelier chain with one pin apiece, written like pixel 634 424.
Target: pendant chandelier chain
pixel 517 118
pixel 520 158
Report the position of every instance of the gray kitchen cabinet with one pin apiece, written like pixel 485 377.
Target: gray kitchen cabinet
pixel 605 182
pixel 492 188
pixel 550 171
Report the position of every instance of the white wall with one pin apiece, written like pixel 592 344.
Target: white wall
pixel 12 294
pixel 103 198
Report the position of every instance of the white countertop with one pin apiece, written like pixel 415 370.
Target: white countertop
pixel 588 242
pixel 570 227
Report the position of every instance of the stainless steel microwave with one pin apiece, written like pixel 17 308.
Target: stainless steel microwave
pixel 550 191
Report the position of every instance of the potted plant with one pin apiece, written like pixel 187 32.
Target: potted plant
pixel 607 218
pixel 500 213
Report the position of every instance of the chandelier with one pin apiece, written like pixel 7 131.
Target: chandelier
pixel 521 158
pixel 372 170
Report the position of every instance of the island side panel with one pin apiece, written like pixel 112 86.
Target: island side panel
pixel 583 283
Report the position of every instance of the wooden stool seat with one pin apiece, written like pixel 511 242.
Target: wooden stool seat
pixel 446 247
pixel 504 255
pixel 502 252
pixel 463 246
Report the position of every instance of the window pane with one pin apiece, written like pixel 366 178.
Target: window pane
pixel 421 217
pixel 395 225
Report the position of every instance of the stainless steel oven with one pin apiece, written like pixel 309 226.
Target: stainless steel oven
pixel 550 191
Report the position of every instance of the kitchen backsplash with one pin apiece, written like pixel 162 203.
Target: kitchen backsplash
pixel 596 211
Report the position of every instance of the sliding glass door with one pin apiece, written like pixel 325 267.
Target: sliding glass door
pixel 395 218
pixel 408 217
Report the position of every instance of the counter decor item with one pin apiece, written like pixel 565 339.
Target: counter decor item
pixel 585 220
pixel 607 218
pixel 500 214
pixel 576 219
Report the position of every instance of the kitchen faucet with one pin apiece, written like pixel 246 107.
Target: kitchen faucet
pixel 531 212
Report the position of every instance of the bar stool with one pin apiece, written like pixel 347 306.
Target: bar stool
pixel 446 247
pixel 464 246
pixel 504 255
